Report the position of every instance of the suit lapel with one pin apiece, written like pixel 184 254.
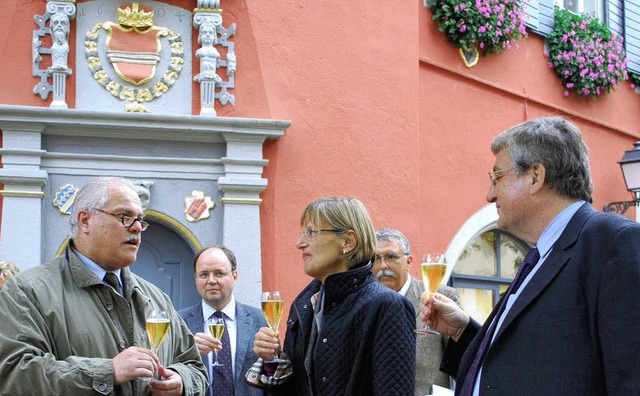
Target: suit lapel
pixel 413 295
pixel 195 322
pixel 555 261
pixel 243 329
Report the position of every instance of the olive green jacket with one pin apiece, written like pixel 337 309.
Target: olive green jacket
pixel 60 328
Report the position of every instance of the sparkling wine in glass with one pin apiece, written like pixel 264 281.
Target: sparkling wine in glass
pixel 216 328
pixel 433 269
pixel 157 328
pixel 272 308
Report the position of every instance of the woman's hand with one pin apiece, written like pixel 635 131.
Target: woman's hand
pixel 266 343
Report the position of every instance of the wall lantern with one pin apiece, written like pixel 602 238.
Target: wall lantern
pixel 630 164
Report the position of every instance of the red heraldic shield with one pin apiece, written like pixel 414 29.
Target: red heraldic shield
pixel 134 53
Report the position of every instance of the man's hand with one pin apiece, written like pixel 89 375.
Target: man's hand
pixel 206 343
pixel 134 362
pixel 170 383
pixel 265 344
pixel 443 314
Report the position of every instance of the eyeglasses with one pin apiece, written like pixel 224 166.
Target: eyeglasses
pixel 127 221
pixel 310 233
pixel 389 257
pixel 204 275
pixel 495 176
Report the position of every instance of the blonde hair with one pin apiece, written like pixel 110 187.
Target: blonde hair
pixel 345 214
pixel 7 269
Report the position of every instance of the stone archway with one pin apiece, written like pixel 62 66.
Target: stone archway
pixel 165 259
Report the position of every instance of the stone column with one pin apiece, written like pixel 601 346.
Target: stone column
pixel 241 186
pixel 23 180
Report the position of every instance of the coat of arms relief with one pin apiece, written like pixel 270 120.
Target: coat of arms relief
pixel 136 56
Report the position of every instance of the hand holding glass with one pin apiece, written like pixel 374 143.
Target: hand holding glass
pixel 216 328
pixel 272 308
pixel 157 328
pixel 433 269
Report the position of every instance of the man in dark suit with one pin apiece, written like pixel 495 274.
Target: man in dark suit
pixel 571 327
pixel 391 267
pixel 216 276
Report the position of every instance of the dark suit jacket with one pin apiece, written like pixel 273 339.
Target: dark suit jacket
pixel 248 321
pixel 575 328
pixel 429 347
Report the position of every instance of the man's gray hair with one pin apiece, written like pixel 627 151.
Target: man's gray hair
pixel 555 143
pixel 391 235
pixel 93 195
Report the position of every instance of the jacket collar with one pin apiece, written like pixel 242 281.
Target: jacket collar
pixel 339 286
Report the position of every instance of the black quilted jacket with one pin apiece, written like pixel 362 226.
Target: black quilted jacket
pixel 366 345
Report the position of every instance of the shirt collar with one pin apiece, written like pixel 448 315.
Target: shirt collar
pixel 95 268
pixel 405 288
pixel 553 231
pixel 229 309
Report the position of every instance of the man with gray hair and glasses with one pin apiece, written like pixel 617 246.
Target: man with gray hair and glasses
pixel 391 266
pixel 76 325
pixel 568 324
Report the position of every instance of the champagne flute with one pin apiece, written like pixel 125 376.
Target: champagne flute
pixel 157 329
pixel 433 269
pixel 216 328
pixel 272 308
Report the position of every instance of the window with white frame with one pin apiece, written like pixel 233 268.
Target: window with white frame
pixel 590 7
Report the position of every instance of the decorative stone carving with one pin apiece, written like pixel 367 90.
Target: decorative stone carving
pixel 59 13
pixel 60 46
pixel 134 51
pixel 207 19
pixel 143 188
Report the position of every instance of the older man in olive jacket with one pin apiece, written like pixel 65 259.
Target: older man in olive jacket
pixel 67 330
pixel 391 268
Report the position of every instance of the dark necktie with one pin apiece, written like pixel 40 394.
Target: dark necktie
pixel 527 265
pixel 223 375
pixel 112 280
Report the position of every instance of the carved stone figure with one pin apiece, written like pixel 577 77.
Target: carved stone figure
pixel 143 188
pixel 60 37
pixel 209 56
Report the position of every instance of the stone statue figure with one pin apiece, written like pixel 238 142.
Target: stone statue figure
pixel 60 37
pixel 143 188
pixel 209 56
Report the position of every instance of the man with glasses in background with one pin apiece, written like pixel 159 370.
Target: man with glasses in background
pixel 216 274
pixel 391 268
pixel 77 325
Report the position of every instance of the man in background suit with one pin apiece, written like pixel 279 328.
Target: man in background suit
pixel 216 276
pixel 391 268
pixel 571 327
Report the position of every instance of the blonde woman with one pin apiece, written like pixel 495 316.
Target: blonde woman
pixel 346 334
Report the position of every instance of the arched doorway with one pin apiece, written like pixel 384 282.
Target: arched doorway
pixel 165 259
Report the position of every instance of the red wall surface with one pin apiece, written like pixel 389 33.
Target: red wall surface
pixel 382 108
